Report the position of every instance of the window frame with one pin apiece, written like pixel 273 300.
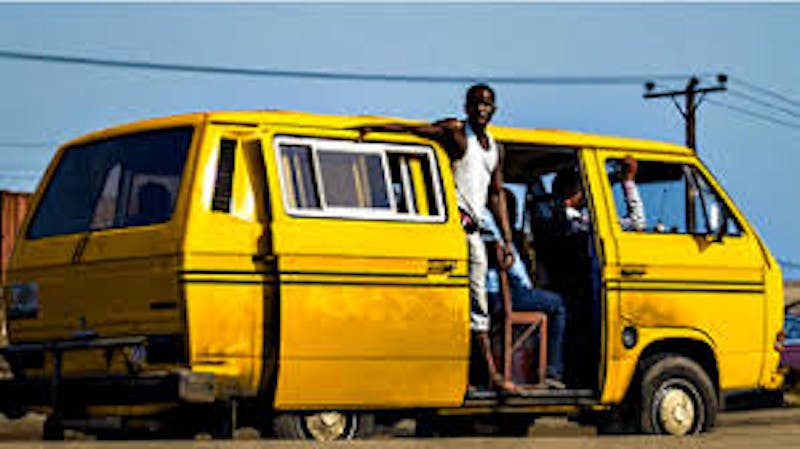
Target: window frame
pixel 697 175
pixel 383 149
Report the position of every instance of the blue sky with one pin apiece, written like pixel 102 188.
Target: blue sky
pixel 44 104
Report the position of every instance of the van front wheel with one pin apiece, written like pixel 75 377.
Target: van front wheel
pixel 324 426
pixel 677 397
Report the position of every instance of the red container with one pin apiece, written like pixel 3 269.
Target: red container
pixel 14 206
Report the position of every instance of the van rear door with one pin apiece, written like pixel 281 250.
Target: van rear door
pixel 99 253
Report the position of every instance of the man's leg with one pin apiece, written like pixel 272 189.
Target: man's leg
pixel 550 303
pixel 478 266
pixel 479 306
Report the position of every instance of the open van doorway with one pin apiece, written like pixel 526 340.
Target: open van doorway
pixel 559 251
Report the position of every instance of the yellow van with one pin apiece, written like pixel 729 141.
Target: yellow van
pixel 267 269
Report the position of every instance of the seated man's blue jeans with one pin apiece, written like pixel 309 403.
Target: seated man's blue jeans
pixel 538 300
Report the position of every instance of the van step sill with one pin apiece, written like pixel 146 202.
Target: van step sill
pixel 530 396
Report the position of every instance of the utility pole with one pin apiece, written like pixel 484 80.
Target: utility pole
pixel 692 101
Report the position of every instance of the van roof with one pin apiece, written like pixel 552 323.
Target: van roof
pixel 544 137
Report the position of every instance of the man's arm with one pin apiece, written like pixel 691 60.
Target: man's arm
pixel 634 219
pixel 442 132
pixel 497 204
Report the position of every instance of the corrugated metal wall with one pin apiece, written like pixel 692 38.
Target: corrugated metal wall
pixel 14 206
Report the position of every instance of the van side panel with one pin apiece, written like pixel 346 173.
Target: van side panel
pixel 226 278
pixel 367 317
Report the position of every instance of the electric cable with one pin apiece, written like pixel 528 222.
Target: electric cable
pixel 745 111
pixel 764 90
pixel 339 76
pixel 761 102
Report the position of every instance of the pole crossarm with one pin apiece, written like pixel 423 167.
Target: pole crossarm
pixel 679 93
pixel 694 96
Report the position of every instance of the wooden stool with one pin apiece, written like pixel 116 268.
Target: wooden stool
pixel 533 321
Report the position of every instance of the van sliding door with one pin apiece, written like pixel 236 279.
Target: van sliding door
pixel 374 301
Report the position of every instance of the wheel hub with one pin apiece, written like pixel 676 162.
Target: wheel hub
pixel 676 412
pixel 326 426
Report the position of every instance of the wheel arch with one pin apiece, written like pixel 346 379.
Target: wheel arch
pixel 699 351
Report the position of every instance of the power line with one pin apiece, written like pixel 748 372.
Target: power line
pixel 755 114
pixel 761 102
pixel 18 177
pixel 27 144
pixel 337 76
pixel 765 91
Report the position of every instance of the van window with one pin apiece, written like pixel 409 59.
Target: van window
pixel 322 177
pixel 353 180
pixel 300 184
pixel 676 198
pixel 125 181
pixel 710 210
pixel 223 187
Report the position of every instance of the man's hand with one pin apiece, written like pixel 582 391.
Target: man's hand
pixel 507 258
pixel 629 168
pixel 362 131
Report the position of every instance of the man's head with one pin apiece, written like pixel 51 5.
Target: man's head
pixel 567 188
pixel 480 105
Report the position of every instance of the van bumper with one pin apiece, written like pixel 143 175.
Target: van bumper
pixel 134 388
pixel 76 392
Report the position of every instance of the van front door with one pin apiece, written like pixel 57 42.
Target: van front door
pixel 673 276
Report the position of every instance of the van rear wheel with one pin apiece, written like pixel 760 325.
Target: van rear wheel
pixel 324 426
pixel 677 397
pixel 52 429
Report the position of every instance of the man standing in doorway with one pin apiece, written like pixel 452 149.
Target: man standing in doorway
pixel 477 165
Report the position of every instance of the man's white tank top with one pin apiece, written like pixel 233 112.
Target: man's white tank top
pixel 473 173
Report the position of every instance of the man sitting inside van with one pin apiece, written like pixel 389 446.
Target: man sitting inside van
pixel 527 298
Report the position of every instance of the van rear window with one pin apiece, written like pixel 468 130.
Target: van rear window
pixel 125 181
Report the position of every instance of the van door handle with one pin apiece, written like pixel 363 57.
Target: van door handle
pixel 441 266
pixel 633 271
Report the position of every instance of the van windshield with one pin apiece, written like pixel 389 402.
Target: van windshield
pixel 125 181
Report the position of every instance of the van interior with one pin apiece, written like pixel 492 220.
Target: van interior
pixel 559 261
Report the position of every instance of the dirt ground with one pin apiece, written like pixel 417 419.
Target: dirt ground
pixel 765 428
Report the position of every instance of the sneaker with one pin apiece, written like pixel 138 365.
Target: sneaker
pixel 555 384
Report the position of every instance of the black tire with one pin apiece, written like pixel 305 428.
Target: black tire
pixel 431 425
pixel 618 422
pixel 676 397
pixel 323 426
pixel 52 430
pixel 514 424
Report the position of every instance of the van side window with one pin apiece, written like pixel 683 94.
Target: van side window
pixel 300 185
pixel 353 180
pixel 325 177
pixel 223 188
pixel 676 199
pixel 412 184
